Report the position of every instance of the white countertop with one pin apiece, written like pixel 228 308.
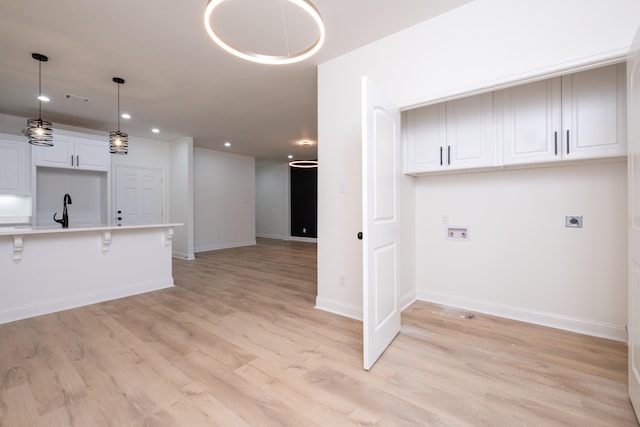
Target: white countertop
pixel 28 229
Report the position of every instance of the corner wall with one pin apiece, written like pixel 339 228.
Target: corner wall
pixel 224 200
pixel 181 200
pixel 273 200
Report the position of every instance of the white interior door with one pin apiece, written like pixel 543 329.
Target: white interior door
pixel 381 228
pixel 633 123
pixel 138 196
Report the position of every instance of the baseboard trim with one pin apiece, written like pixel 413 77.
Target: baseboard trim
pixel 304 239
pixel 553 320
pixel 60 304
pixel 224 246
pixel 272 236
pixel 338 307
pixel 184 255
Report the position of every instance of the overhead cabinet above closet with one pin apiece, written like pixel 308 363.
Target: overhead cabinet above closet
pixel 453 135
pixel 578 116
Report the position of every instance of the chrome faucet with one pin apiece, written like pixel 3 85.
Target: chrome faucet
pixel 65 216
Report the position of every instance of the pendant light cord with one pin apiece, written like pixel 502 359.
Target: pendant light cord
pixel 39 89
pixel 284 24
pixel 118 107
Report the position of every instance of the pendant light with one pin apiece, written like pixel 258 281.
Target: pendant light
pixel 118 141
pixel 304 164
pixel 305 5
pixel 39 131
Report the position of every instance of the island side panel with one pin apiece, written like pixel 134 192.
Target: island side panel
pixel 58 271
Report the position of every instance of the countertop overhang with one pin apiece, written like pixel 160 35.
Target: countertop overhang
pixel 21 230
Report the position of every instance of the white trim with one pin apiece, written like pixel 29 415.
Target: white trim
pixel 224 246
pixel 17 313
pixel 272 236
pixel 407 300
pixel 553 320
pixel 304 239
pixel 338 307
pixel 184 255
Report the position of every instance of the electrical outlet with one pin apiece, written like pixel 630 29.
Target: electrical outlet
pixel 573 221
pixel 341 280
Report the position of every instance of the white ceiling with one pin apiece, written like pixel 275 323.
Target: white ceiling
pixel 177 79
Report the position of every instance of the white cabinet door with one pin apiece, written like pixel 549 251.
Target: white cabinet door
pixel 425 139
pixel 13 165
pixel 92 155
pixel 60 155
pixel 531 122
pixel 75 152
pixel 458 134
pixel 470 132
pixel 593 113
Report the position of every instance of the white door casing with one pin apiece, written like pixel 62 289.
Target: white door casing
pixel 138 196
pixel 633 139
pixel 381 165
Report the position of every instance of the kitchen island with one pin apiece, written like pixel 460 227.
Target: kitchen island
pixel 48 269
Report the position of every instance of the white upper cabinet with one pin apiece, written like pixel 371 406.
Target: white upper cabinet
pixel 531 117
pixel 74 152
pixel 458 134
pixel 13 165
pixel 594 113
pixel 579 116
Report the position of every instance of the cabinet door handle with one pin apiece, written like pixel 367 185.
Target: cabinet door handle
pixel 440 156
pixel 72 160
pixel 448 154
pixel 78 160
pixel 555 141
pixel 567 141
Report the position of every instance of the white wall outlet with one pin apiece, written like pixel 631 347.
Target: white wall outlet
pixel 573 221
pixel 342 281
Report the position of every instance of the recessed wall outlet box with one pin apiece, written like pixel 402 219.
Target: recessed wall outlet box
pixel 457 233
pixel 573 221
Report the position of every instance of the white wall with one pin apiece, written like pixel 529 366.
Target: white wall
pixel 479 46
pixel 224 196
pixel 273 201
pixel 520 260
pixel 181 196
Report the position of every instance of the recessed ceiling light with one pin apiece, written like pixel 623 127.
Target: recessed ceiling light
pixel 44 98
pixel 126 116
pixel 155 130
pixel 305 143
pixel 290 156
pixel 227 144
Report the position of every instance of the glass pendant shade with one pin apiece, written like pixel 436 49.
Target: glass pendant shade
pixel 39 131
pixel 118 141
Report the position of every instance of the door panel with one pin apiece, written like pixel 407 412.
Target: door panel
pixel 138 196
pixel 633 321
pixel 381 167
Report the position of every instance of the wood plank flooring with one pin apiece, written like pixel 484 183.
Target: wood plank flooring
pixel 237 342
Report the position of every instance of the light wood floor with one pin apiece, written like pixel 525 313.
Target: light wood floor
pixel 237 342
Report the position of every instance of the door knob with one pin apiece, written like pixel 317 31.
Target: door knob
pixel 360 235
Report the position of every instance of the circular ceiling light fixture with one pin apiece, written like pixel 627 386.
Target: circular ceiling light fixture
pixel 304 164
pixel 291 58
